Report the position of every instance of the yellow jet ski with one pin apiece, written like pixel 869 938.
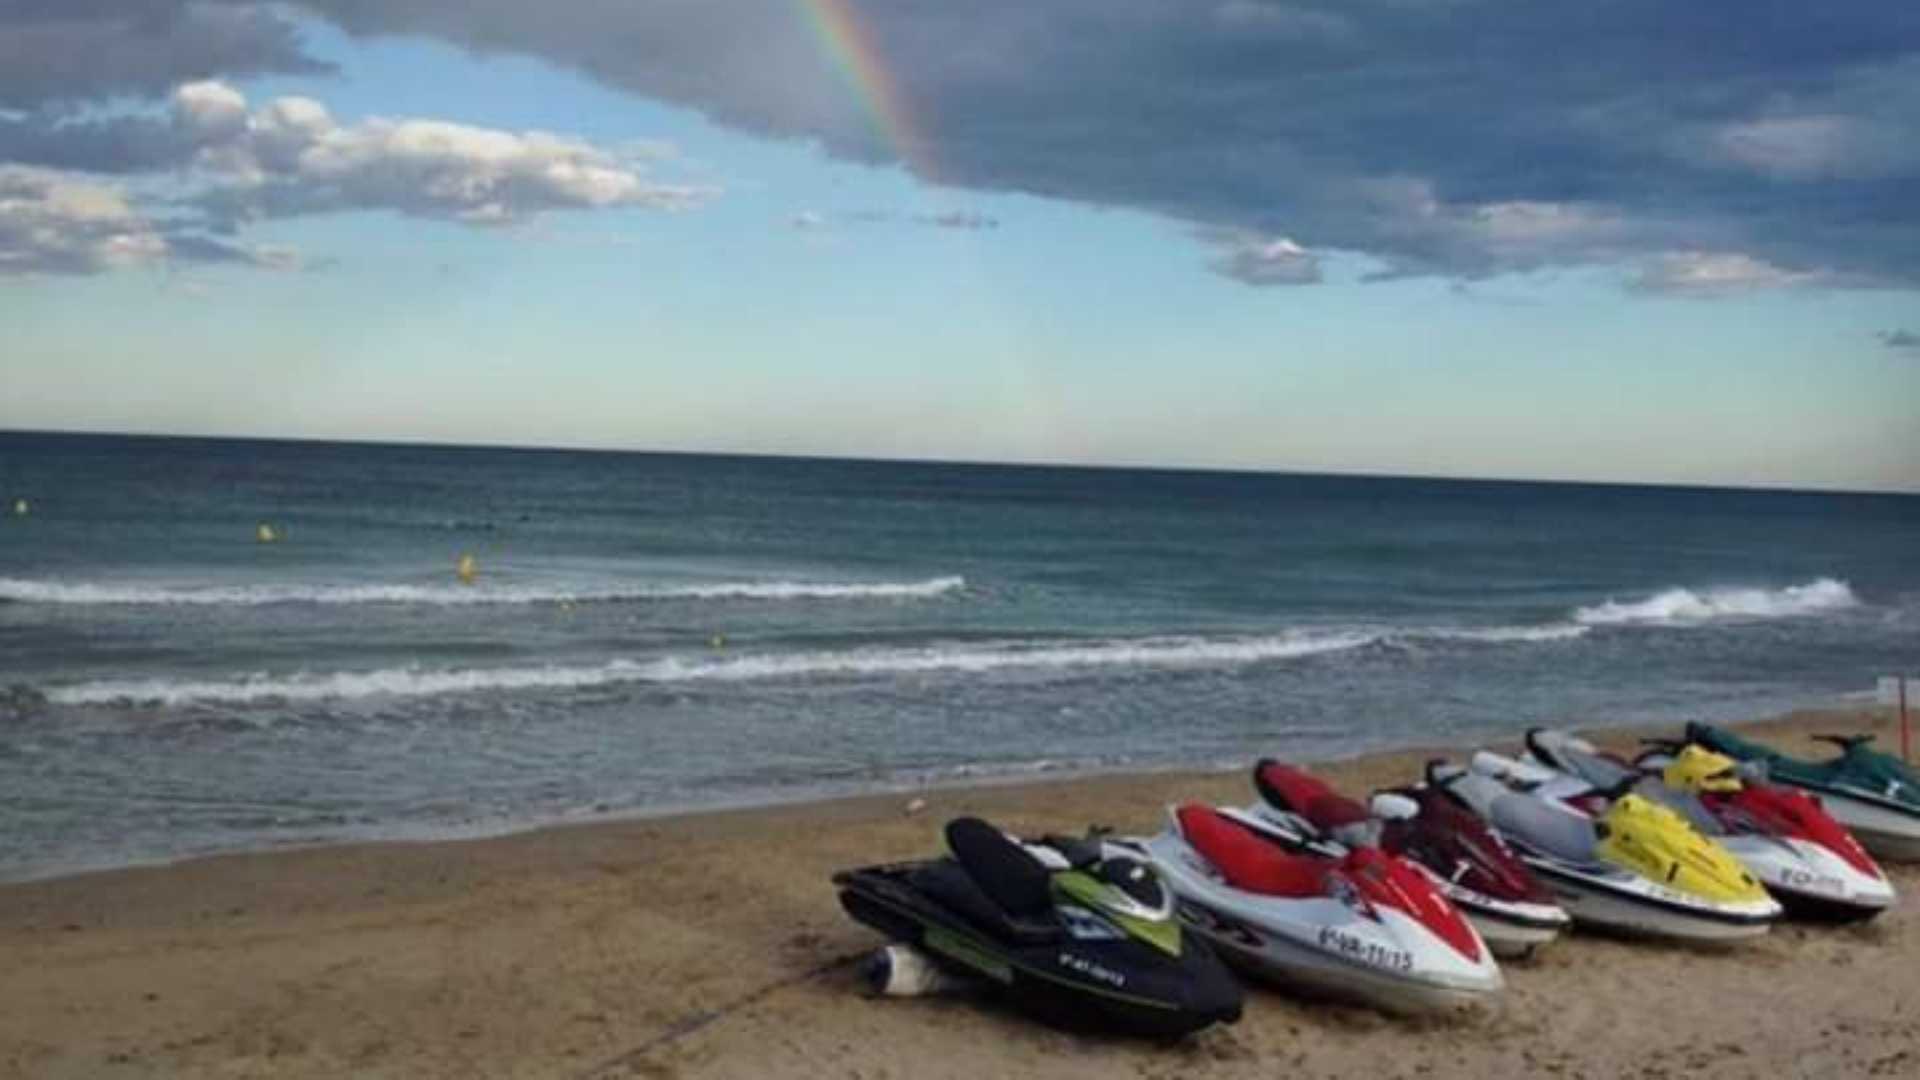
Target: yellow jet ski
pixel 1616 860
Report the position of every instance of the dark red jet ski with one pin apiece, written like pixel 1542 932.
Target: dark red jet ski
pixel 1468 861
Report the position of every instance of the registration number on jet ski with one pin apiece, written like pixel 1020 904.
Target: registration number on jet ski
pixel 1354 947
pixel 1807 879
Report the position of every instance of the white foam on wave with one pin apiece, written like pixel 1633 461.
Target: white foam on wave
pixel 418 682
pixel 82 593
pixel 1496 635
pixel 1680 606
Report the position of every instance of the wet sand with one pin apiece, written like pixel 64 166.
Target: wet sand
pixel 712 945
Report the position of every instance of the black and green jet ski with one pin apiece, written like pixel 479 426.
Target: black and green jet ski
pixel 1875 795
pixel 1077 933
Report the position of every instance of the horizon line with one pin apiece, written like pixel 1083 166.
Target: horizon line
pixel 1000 463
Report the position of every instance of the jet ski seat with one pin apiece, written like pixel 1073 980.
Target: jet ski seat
pixel 1559 834
pixel 1600 770
pixel 948 884
pixel 992 882
pixel 1003 869
pixel 1245 859
pixel 1684 803
pixel 1309 796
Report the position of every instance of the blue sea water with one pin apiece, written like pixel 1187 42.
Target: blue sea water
pixel 654 631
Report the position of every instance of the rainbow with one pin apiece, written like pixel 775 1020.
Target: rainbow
pixel 854 52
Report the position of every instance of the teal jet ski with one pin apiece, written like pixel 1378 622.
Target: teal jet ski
pixel 1875 795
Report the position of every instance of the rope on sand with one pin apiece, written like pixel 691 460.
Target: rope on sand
pixel 695 1021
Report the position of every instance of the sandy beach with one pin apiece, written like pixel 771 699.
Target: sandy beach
pixel 711 945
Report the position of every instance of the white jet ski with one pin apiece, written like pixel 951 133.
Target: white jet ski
pixel 1364 926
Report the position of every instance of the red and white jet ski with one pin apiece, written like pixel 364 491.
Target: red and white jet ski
pixel 1812 865
pixel 1363 925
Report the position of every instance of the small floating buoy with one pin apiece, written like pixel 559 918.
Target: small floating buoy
pixel 718 641
pixel 465 570
pixel 266 534
pixel 20 508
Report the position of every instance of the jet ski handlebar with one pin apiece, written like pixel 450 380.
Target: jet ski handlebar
pixel 1079 851
pixel 1844 742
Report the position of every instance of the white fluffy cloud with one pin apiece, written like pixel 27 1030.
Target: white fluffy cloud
pixel 234 163
pixel 290 156
pixel 53 222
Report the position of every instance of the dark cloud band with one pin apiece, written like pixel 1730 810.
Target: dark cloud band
pixel 1713 146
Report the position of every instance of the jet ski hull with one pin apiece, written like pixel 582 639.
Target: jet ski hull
pixel 1810 881
pixel 1318 946
pixel 1310 971
pixel 1622 908
pixel 1117 985
pixel 1887 832
pixel 1509 929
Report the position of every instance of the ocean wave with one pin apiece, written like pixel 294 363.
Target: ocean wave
pixel 419 682
pixel 1681 606
pixel 1497 635
pixel 82 593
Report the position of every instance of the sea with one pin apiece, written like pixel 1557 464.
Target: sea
pixel 645 633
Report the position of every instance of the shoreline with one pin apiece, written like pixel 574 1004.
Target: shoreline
pixel 1014 776
pixel 711 944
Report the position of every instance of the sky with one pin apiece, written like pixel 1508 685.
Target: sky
pixel 1624 240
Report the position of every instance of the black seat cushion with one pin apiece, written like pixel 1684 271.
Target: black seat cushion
pixel 948 885
pixel 1013 878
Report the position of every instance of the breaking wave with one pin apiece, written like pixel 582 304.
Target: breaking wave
pixel 1495 635
pixel 1687 606
pixel 49 592
pixel 418 682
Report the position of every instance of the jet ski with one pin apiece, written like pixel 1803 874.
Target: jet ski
pixel 1875 795
pixel 1362 926
pixel 1078 933
pixel 1848 885
pixel 1809 878
pixel 1621 863
pixel 1467 861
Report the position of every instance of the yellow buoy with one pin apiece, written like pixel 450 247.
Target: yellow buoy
pixel 266 534
pixel 465 570
pixel 20 508
pixel 718 641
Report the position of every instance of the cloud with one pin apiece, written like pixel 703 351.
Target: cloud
pixel 1464 138
pixel 1256 259
pixel 1458 138
pixel 62 52
pixel 966 220
pixel 194 247
pixel 1899 339
pixel 54 223
pixel 959 219
pixel 232 165
pixel 1710 274
pixel 292 157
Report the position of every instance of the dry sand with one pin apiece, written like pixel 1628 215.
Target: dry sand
pixel 712 946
